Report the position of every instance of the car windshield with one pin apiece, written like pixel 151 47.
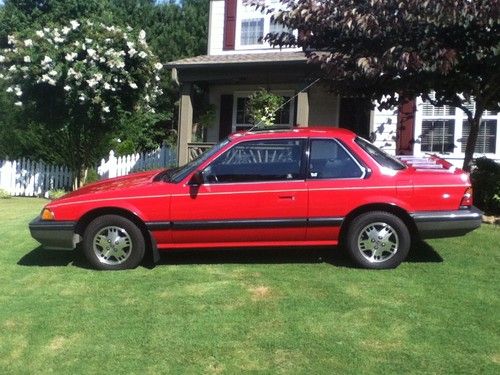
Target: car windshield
pixel 178 174
pixel 382 158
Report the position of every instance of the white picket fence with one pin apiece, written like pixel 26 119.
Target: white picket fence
pixel 26 178
pixel 123 165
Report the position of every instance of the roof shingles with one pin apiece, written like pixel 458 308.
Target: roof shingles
pixel 243 58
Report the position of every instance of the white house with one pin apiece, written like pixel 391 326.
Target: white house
pixel 238 62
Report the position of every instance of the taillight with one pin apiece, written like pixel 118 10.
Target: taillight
pixel 466 201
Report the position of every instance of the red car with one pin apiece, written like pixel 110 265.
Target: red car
pixel 295 187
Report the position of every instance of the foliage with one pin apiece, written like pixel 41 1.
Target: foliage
pixel 140 132
pixel 262 311
pixel 4 194
pixel 486 183
pixel 9 119
pixel 18 15
pixel 91 176
pixel 263 107
pixel 203 120
pixel 56 193
pixel 391 50
pixel 178 28
pixel 77 78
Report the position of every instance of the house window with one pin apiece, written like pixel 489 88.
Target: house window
pixel 242 115
pixel 278 28
pixel 438 136
pixel 432 111
pixel 243 121
pixel 445 130
pixel 252 25
pixel 252 31
pixel 486 138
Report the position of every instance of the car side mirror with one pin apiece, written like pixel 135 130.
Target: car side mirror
pixel 196 179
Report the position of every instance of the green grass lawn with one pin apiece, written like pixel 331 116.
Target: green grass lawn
pixel 300 311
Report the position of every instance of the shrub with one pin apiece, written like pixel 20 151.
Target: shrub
pixel 263 107
pixel 92 176
pixel 4 194
pixel 79 81
pixel 486 184
pixel 56 193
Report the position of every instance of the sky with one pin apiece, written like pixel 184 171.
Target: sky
pixel 159 1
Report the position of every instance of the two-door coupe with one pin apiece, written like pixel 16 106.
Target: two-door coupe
pixel 300 186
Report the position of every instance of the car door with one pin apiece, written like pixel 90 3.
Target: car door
pixel 336 183
pixel 254 192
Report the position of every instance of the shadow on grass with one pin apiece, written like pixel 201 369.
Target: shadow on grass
pixel 41 257
pixel 421 252
pixel 261 255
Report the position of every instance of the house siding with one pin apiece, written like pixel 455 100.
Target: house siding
pixel 216 28
pixel 383 129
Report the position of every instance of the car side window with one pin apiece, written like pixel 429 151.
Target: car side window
pixel 328 159
pixel 255 161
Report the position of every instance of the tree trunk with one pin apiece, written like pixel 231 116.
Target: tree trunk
pixel 474 123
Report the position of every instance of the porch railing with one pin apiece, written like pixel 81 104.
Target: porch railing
pixel 195 149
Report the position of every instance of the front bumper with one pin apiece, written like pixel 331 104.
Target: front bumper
pixel 59 235
pixel 438 224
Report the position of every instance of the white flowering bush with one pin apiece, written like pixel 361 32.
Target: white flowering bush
pixel 90 65
pixel 80 80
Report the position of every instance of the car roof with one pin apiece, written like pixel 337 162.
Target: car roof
pixel 296 132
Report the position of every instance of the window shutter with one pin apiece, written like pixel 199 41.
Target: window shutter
pixel 229 24
pixel 406 126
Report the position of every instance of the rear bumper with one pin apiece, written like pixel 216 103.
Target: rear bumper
pixel 58 235
pixel 437 224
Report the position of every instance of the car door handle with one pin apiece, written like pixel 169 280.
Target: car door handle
pixel 288 197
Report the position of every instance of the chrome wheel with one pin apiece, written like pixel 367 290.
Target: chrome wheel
pixel 378 242
pixel 112 245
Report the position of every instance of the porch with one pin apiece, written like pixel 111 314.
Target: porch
pixel 229 79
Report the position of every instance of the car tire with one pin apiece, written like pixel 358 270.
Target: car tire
pixel 378 240
pixel 112 242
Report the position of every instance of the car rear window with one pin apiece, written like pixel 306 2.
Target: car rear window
pixel 381 157
pixel 328 159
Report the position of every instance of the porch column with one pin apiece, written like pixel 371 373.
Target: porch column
pixel 303 109
pixel 185 124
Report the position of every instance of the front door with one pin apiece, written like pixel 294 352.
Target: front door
pixel 253 192
pixel 355 115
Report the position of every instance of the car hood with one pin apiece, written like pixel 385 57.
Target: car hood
pixel 114 184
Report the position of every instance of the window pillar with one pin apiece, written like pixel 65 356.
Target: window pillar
pixel 185 123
